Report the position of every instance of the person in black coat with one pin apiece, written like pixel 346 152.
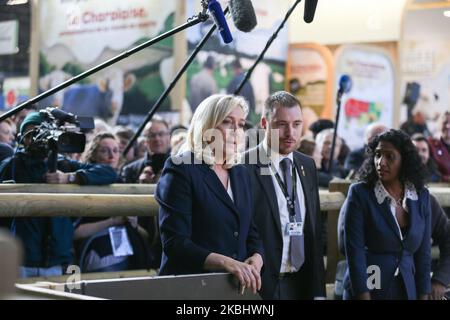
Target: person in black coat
pixel 205 198
pixel 292 270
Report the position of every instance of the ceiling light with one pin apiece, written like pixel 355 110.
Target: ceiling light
pixel 447 13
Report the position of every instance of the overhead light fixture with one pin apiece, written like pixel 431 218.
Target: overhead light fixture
pixel 15 2
pixel 447 13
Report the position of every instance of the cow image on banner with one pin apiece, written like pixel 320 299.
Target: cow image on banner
pixel 372 96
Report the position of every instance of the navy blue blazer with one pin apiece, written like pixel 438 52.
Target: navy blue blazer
pixel 197 217
pixel 372 237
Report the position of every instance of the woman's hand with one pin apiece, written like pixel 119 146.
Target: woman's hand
pixel 117 221
pixel 256 261
pixel 247 274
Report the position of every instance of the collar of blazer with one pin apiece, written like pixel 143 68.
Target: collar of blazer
pixel 410 204
pixel 381 193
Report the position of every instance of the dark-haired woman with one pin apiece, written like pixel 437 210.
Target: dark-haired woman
pixel 387 224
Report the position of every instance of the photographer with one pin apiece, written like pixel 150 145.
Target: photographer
pixel 47 241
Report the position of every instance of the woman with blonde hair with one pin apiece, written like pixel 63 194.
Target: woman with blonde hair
pixel 205 198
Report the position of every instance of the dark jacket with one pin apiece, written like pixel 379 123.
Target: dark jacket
pixel 440 234
pixel 48 241
pixel 355 159
pixel 131 172
pixel 197 216
pixel 372 238
pixel 6 151
pixel 267 218
pixel 441 155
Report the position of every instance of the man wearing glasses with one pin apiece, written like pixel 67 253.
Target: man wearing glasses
pixel 148 169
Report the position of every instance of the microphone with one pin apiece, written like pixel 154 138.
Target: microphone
pixel 345 85
pixel 219 19
pixel 310 10
pixel 63 116
pixel 243 14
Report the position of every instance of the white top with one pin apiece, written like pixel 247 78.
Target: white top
pixel 275 159
pixel 229 191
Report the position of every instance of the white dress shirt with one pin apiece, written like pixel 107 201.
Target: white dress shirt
pixel 275 159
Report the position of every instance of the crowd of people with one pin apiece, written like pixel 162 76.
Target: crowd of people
pixel 252 211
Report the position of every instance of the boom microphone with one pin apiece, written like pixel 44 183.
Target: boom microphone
pixel 310 10
pixel 219 18
pixel 243 14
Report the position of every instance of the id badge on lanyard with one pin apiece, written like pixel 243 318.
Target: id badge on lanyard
pixel 294 228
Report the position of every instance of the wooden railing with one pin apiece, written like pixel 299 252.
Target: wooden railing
pixel 39 200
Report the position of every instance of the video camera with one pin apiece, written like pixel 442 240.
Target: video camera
pixel 60 132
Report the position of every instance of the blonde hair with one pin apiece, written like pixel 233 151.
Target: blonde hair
pixel 209 115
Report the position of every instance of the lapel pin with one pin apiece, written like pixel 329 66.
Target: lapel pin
pixel 303 171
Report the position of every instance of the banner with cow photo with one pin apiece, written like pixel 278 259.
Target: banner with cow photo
pixel 372 96
pixel 78 35
pixel 219 68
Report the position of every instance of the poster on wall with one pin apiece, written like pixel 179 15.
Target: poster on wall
pixel 219 68
pixel 15 92
pixel 78 35
pixel 9 39
pixel 309 75
pixel 372 96
pixel 427 64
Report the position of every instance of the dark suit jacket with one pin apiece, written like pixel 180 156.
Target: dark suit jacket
pixel 371 237
pixel 130 173
pixel 197 216
pixel 267 218
pixel 440 234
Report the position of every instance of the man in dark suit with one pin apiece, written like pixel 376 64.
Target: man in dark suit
pixel 286 205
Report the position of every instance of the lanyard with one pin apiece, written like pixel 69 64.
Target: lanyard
pixel 283 187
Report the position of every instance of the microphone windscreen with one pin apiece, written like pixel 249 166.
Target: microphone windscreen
pixel 310 10
pixel 345 84
pixel 243 14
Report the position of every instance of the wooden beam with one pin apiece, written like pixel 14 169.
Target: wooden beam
pixel 135 189
pixel 76 205
pixel 330 200
pixel 442 195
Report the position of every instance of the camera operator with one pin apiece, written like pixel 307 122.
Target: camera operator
pixel 47 241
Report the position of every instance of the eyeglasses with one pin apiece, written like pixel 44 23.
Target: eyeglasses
pixel 160 134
